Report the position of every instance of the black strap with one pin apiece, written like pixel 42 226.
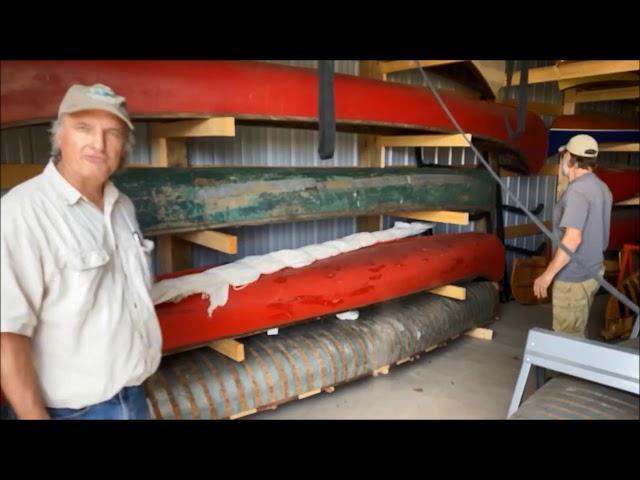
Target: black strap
pixel 523 89
pixel 519 211
pixel 326 110
pixel 526 251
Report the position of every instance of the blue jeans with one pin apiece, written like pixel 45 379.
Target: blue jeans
pixel 130 403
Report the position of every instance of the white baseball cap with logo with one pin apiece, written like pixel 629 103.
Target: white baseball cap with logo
pixel 582 146
pixel 94 97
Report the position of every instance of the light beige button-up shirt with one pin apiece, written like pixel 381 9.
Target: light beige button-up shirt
pixel 77 281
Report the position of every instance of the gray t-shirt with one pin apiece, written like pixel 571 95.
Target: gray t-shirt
pixel 585 205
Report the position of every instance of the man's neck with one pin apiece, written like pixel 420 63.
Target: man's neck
pixel 576 173
pixel 92 190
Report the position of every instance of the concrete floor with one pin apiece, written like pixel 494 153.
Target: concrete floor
pixel 468 379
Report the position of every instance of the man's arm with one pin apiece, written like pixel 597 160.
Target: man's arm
pixel 571 239
pixel 19 381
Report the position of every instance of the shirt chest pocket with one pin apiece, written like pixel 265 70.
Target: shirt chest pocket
pixel 83 271
pixel 85 260
pixel 139 256
pixel 83 275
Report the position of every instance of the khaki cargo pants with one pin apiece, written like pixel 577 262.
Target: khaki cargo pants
pixel 571 304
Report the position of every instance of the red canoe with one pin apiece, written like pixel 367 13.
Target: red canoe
pixel 349 281
pixel 32 90
pixel 624 183
pixel 625 227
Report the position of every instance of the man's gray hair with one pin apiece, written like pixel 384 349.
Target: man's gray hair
pixel 56 126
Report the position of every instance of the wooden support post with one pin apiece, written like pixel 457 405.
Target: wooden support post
pixel 569 104
pixel 369 153
pixel 169 149
pixel 229 348
pixel 450 291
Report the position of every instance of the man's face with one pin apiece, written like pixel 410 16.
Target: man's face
pixel 92 143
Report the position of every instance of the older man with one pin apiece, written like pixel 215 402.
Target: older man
pixel 79 330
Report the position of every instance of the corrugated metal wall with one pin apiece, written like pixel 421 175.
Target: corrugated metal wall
pixel 531 191
pixel 546 92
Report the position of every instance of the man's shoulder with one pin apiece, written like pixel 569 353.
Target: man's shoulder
pixel 589 185
pixel 126 202
pixel 25 195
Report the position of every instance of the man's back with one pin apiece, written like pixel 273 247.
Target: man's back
pixel 585 205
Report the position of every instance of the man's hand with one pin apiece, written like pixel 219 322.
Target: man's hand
pixel 541 285
pixel 19 380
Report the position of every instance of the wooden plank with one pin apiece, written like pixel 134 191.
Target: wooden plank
pixel 243 414
pixel 12 175
pixel 211 127
pixel 569 70
pixel 371 69
pixel 384 370
pixel 606 95
pixel 440 216
pixel 527 229
pixel 539 107
pixel 611 266
pixel 308 394
pixel 631 201
pixel 222 242
pixel 450 291
pixel 482 333
pixel 168 152
pixel 229 348
pixel 402 65
pixel 508 173
pixel 447 140
pixel 549 170
pixel 569 103
pixel 369 153
pixel 412 358
pixel 172 253
pixel 620 147
pixel 493 72
pixel 628 77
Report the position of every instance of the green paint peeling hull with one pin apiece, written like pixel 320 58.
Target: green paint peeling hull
pixel 172 200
